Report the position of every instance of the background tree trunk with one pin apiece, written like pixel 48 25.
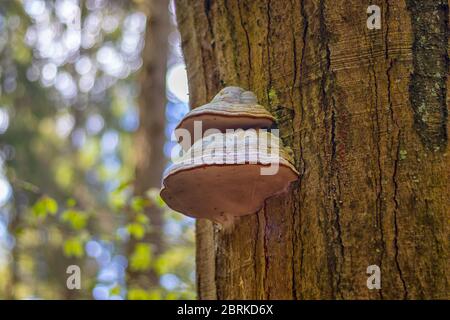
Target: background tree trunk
pixel 150 139
pixel 365 112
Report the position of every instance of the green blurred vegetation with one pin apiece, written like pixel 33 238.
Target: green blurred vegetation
pixel 68 113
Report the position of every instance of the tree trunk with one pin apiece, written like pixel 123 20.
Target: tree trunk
pixel 365 112
pixel 150 139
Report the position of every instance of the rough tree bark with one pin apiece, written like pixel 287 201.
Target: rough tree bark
pixel 150 138
pixel 366 113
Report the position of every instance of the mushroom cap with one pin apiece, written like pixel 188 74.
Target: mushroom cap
pixel 198 188
pixel 231 108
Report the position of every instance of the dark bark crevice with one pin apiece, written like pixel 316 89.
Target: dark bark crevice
pixel 336 248
pixel 249 48
pixel 266 255
pixel 377 114
pixel 268 46
pixel 396 209
pixel 302 165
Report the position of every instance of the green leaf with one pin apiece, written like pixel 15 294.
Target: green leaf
pixel 71 203
pixel 76 219
pixel 138 204
pixel 142 219
pixel 155 294
pixel 172 259
pixel 171 296
pixel 73 247
pixel 115 291
pixel 44 206
pixel 140 259
pixel 39 210
pixel 136 230
pixel 123 186
pixel 118 200
pixel 138 294
pixel 51 205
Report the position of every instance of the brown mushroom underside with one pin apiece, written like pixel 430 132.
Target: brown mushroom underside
pixel 211 191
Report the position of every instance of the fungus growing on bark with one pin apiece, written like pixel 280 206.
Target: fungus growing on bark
pixel 227 175
pixel 231 108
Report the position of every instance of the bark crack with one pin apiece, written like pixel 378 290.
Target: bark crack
pixel 396 206
pixel 294 57
pixel 336 208
pixel 266 255
pixel 380 191
pixel 377 140
pixel 249 49
pixel 389 94
pixel 302 61
pixel 336 258
pixel 234 41
pixel 302 164
pixel 268 45
pixel 397 154
pixel 255 251
pixel 293 243
pixel 201 45
pixel 207 6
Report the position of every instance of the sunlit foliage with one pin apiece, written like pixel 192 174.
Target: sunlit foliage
pixel 68 113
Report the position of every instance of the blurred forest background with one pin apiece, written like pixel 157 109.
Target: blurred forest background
pixel 90 92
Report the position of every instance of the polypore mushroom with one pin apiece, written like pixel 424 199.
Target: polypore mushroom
pixel 231 108
pixel 227 175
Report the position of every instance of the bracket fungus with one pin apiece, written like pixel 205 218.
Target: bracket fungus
pixel 227 175
pixel 230 168
pixel 231 108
